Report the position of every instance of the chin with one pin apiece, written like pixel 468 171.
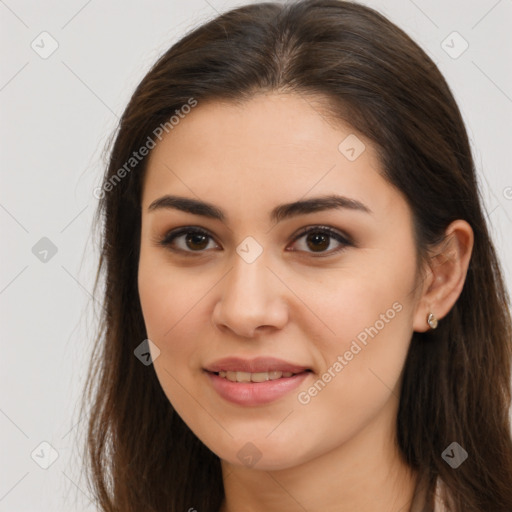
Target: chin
pixel 263 456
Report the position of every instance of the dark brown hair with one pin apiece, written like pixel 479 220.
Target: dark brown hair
pixel 456 382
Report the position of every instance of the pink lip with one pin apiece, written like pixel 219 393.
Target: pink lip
pixel 257 365
pixel 255 393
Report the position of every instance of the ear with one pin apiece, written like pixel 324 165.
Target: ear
pixel 445 274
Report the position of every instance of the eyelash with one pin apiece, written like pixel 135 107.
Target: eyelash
pixel 345 242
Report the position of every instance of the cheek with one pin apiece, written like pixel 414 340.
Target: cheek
pixel 358 384
pixel 368 301
pixel 159 304
pixel 370 313
pixel 167 293
pixel 153 298
pixel 173 313
pixel 162 312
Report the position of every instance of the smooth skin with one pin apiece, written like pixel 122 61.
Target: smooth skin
pixel 300 301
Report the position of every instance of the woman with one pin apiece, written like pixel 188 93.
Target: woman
pixel 293 237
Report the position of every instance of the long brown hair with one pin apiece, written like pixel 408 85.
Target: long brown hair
pixel 456 387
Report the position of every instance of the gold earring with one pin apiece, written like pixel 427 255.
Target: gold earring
pixel 432 321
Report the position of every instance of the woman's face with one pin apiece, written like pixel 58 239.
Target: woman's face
pixel 253 286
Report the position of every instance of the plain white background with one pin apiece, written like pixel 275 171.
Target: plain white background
pixel 57 114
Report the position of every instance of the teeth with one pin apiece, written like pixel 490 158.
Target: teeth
pixel 254 377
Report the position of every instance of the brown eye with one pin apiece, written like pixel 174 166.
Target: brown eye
pixel 187 240
pixel 319 239
pixel 196 241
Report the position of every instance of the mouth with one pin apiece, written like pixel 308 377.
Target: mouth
pixel 255 382
pixel 261 369
pixel 257 377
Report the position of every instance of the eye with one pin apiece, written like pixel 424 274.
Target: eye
pixel 318 239
pixel 191 240
pixel 196 240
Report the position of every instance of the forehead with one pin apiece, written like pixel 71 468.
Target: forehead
pixel 266 128
pixel 280 144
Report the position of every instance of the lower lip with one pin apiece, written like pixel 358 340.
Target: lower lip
pixel 255 393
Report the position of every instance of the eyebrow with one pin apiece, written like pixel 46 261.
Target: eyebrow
pixel 279 213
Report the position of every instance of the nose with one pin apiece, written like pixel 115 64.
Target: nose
pixel 252 300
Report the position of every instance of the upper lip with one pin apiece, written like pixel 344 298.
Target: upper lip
pixel 256 365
